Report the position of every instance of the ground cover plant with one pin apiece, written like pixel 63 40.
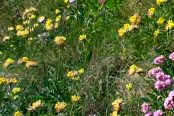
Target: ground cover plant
pixel 86 58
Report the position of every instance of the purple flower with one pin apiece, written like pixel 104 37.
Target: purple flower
pixel 160 85
pixel 171 56
pixel 168 82
pixel 158 113
pixel 159 60
pixel 145 107
pixel 168 103
pixel 153 72
pixel 160 76
pixel 71 1
pixel 171 94
pixel 148 114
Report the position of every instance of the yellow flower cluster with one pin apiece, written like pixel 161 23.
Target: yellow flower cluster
pixel 4 80
pixel 82 37
pixel 49 25
pixel 134 22
pixel 27 61
pixel 159 2
pixel 73 74
pixel 160 21
pixel 60 106
pixel 35 105
pixel 29 13
pixel 16 90
pixel 75 98
pixel 156 33
pixel 169 25
pixel 129 86
pixel 116 106
pixel 134 69
pixel 21 31
pixel 60 40
pixel 18 113
pixel 151 12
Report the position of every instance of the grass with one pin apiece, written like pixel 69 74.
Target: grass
pixel 104 55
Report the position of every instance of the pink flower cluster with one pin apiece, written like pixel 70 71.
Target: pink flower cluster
pixel 162 80
pixel 161 59
pixel 169 101
pixel 145 108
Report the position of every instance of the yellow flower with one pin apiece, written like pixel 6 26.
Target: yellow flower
pixel 30 64
pixel 22 33
pixel 134 69
pixel 121 32
pixel 56 25
pixel 12 80
pixel 129 86
pixel 169 25
pixel 3 80
pixel 23 59
pixel 75 98
pixel 58 18
pixel 82 37
pixel 135 19
pixel 114 113
pixel 18 113
pixel 59 40
pixel 57 11
pixel 16 90
pixel 160 21
pixel 72 73
pixel 8 62
pixel 65 1
pixel 159 2
pixel 117 104
pixel 35 105
pixel 156 33
pixel 151 12
pixel 81 71
pixel 33 16
pixel 49 25
pixel 59 106
pixel 19 27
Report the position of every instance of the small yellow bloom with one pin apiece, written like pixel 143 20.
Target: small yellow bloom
pixel 72 73
pixel 3 80
pixel 23 60
pixel 81 71
pixel 22 33
pixel 18 113
pixel 121 32
pixel 8 62
pixel 169 25
pixel 59 106
pixel 156 33
pixel 60 40
pixel 49 25
pixel 129 86
pixel 19 28
pixel 75 98
pixel 33 16
pixel 35 105
pixel 30 64
pixel 16 90
pixel 159 2
pixel 58 18
pixel 12 80
pixel 56 25
pixel 135 19
pixel 160 21
pixel 151 12
pixel 57 11
pixel 6 38
pixel 82 37
pixel 117 104
pixel 114 113
pixel 65 1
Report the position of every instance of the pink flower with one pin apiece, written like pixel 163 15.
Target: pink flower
pixel 168 82
pixel 168 103
pixel 71 1
pixel 160 85
pixel 158 113
pixel 159 60
pixel 153 72
pixel 149 114
pixel 171 56
pixel 160 76
pixel 145 107
pixel 171 94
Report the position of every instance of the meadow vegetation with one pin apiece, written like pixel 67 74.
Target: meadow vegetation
pixel 86 57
